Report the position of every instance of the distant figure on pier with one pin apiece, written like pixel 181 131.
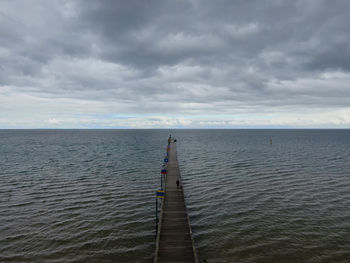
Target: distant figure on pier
pixel 169 140
pixel 177 183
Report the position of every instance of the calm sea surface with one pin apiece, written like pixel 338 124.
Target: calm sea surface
pixel 88 195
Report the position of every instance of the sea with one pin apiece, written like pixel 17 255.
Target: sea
pixel 252 195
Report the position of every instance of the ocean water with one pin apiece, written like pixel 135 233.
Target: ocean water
pixel 88 195
pixel 78 195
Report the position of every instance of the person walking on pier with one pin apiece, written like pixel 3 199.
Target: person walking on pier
pixel 177 183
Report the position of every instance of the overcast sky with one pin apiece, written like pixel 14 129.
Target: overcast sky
pixel 174 64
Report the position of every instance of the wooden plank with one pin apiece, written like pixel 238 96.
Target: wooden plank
pixel 174 235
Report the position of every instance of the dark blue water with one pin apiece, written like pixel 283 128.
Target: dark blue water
pixel 88 195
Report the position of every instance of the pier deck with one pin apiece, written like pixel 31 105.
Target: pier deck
pixel 174 237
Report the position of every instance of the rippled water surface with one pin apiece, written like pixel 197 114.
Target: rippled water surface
pixel 250 201
pixel 78 196
pixel 88 195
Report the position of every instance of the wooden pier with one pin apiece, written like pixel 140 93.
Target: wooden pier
pixel 174 236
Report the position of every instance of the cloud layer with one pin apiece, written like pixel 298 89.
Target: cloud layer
pixel 155 64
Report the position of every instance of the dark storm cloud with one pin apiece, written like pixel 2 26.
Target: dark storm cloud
pixel 155 33
pixel 205 57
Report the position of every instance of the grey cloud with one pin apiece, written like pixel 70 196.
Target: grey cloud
pixel 205 57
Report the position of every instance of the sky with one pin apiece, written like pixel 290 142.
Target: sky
pixel 174 64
